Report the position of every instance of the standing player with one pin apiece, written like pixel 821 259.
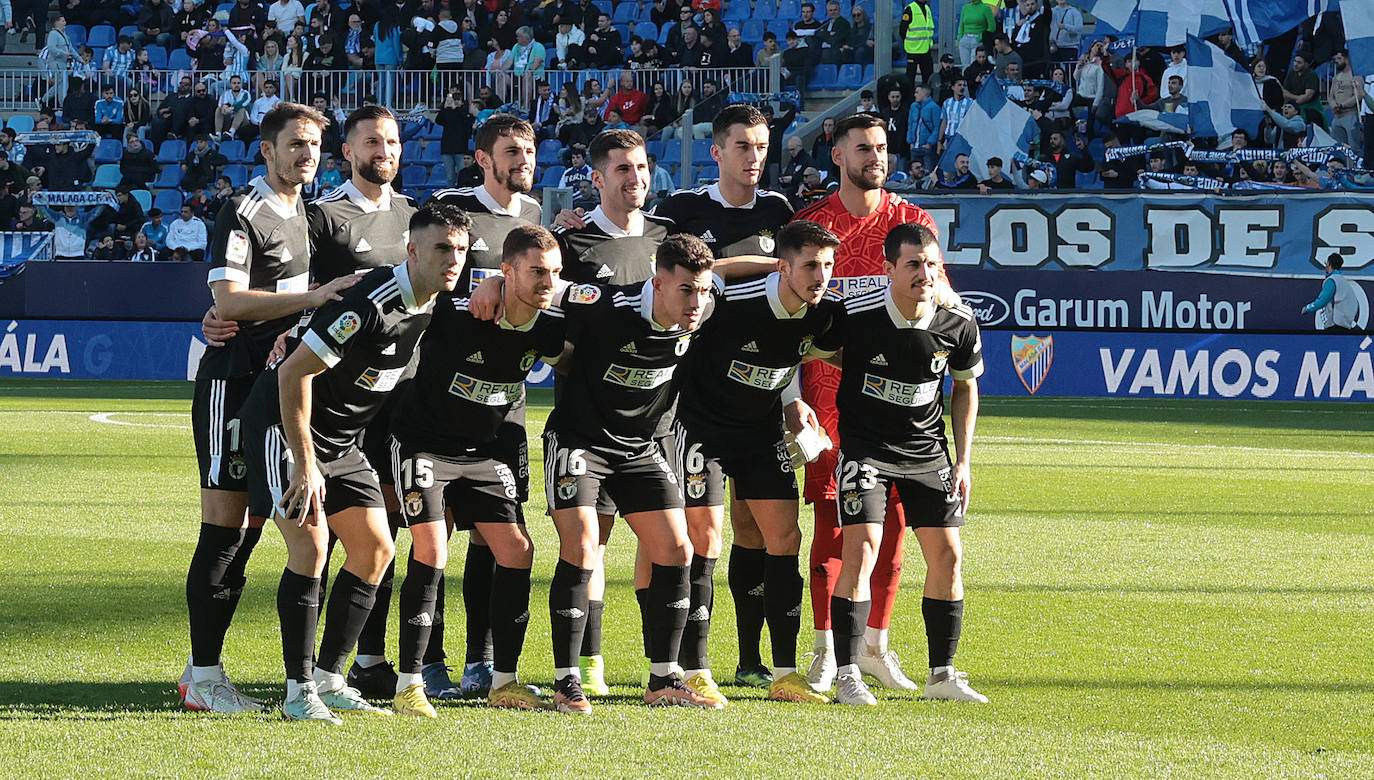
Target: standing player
pixel 505 151
pixel 896 345
pixel 361 225
pixel 730 423
pixel 861 214
pixel 260 277
pixel 460 444
pixel 304 421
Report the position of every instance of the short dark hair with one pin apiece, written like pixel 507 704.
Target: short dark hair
pixel 866 95
pixel 599 150
pixel 525 238
pixel 684 250
pixel 738 114
pixel 995 161
pixel 155 212
pixel 908 233
pixel 498 125
pixel 1336 261
pixel 440 215
pixel 364 114
pixel 803 233
pixel 274 121
pixel 857 122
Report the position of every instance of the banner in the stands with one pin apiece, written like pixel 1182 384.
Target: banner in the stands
pixel 1273 233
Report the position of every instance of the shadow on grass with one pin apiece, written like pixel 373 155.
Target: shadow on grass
pixel 66 699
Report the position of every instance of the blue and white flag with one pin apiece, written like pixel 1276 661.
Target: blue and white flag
pixel 1359 35
pixel 1258 20
pixel 1115 14
pixel 1170 22
pixel 1159 121
pixel 993 127
pixel 1221 94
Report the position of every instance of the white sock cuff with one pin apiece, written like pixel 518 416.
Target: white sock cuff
pixel 406 679
pixel 825 639
pixel 561 672
pixel 782 671
pixel 851 670
pixel 661 669
pixel 203 674
pixel 368 661
pixel 328 681
pixel 501 679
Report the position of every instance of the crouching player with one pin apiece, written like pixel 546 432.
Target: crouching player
pixel 894 346
pixel 302 425
pixel 459 443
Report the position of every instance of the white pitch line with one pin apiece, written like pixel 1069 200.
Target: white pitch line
pixel 1176 446
pixel 1156 404
pixel 105 417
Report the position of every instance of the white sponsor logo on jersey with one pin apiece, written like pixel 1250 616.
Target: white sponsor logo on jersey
pixel 480 245
pixel 638 378
pixel 421 619
pixel 629 349
pixel 762 377
pixel 680 604
pixel 483 392
pixel 572 613
pixel 380 380
pixel 362 246
pixel 389 349
pixel 477 358
pixel 900 393
pixel 752 346
pixel 476 275
pixel 604 272
pixel 295 284
pixel 708 238
pixel 879 360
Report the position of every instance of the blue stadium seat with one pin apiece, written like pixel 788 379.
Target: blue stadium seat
pixel 1088 181
pixel 252 152
pixel 655 148
pixel 168 177
pixel 171 151
pixel 765 10
pixel 258 170
pixel 663 32
pixel 701 152
pixel 547 153
pixel 157 57
pixel 106 177
pixel 410 152
pixel 76 33
pixel 98 53
pixel 108 150
pixel 825 77
pixel 169 201
pixel 626 13
pixel 779 27
pixel 101 35
pixel 144 198
pixel 20 123
pixel 791 9
pixel 869 73
pixel 672 151
pixel 604 5
pixel 708 172
pixel 129 30
pixel 431 155
pixel 414 174
pixel 438 177
pixel 431 132
pixel 238 174
pixel 737 10
pixel 234 151
pixel 624 28
pixel 646 30
pixel 552 175
pixel 179 59
pixel 850 76
pixel 752 31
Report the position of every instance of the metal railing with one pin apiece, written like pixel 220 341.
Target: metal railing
pixel 402 90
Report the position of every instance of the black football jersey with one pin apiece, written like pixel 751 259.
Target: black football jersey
pixel 602 253
pixel 748 352
pixel 619 388
pixel 366 340
pixel 490 224
pixel 730 231
pixel 260 243
pixel 471 377
pixel 891 396
pixel 348 233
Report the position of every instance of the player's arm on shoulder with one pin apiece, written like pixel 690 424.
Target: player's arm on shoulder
pixel 229 279
pixel 215 330
pixel 572 219
pixel 829 346
pixel 744 266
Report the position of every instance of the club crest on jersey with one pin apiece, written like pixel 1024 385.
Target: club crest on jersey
pixel 238 467
pixel 938 361
pixel 680 348
pixel 1032 357
pixel 584 293
pixel 805 346
pixel 567 488
pixel 853 505
pixel 237 250
pixel 414 503
pixel 527 362
pixel 345 326
pixel 766 242
pixel 696 485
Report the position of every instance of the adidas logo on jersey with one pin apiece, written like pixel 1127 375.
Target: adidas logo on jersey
pixel 572 613
pixel 362 246
pixel 752 346
pixel 421 620
pixel 699 614
pixel 708 238
pixel 680 604
pixel 604 272
pixel 480 245
pixel 389 349
pixel 524 617
pixel 795 611
pixel 757 590
pixel 476 357
pixel 630 349
pixel 879 360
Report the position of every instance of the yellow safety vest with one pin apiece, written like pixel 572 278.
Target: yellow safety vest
pixel 921 32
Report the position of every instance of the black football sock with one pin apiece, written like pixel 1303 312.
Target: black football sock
pixel 373 639
pixel 347 611
pixel 434 653
pixel 324 570
pixel 848 619
pixel 746 578
pixel 419 597
pixel 568 612
pixel 510 616
pixel 642 596
pixel 207 590
pixel 298 610
pixel 591 638
pixel 701 586
pixel 477 573
pixel 944 623
pixel 235 577
pixel 668 598
pixel 782 593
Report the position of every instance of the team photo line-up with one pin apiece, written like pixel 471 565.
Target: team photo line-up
pixel 366 373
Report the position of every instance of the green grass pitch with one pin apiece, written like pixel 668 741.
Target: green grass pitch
pixel 1155 588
